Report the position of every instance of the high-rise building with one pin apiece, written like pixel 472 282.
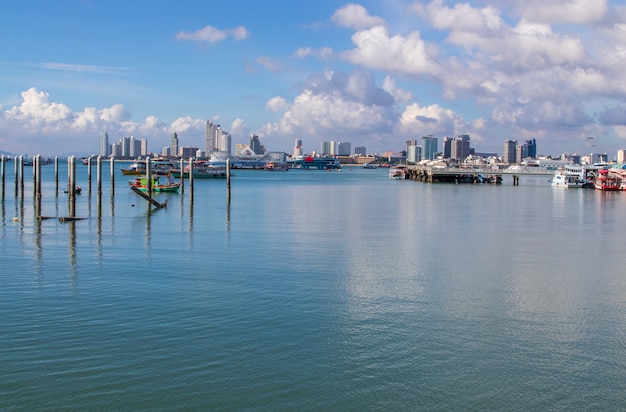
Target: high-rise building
pixel 530 147
pixel 216 139
pixel 447 147
pixel 173 144
pixel 326 148
pixel 105 148
pixel 144 147
pixel 360 151
pixel 509 151
pixel 429 147
pixel 255 144
pixel 297 148
pixel 343 149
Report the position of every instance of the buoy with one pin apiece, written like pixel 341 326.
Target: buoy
pixel 16 219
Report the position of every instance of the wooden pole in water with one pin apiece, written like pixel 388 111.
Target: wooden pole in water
pixel 56 174
pixel 149 176
pixel 22 175
pixel 3 170
pixel 15 168
pixel 181 168
pixel 228 176
pixel 37 188
pixel 112 161
pixel 99 175
pixel 191 176
pixel 72 188
pixel 89 174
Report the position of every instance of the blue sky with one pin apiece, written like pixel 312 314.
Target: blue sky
pixel 374 73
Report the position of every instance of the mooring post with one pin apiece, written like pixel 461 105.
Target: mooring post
pixel 15 168
pixel 72 188
pixel 21 176
pixel 89 174
pixel 181 168
pixel 149 176
pixel 112 162
pixel 3 171
pixel 56 174
pixel 37 184
pixel 228 176
pixel 191 176
pixel 99 175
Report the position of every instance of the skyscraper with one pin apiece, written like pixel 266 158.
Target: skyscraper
pixel 429 147
pixel 344 149
pixel 297 148
pixel 531 148
pixel 105 148
pixel 173 144
pixel 509 151
pixel 255 144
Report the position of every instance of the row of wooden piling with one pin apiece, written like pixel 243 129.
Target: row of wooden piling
pixel 18 165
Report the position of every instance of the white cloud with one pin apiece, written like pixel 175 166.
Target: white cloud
pixel 355 16
pixel 425 120
pixel 462 17
pixel 270 64
pixel 276 104
pixel 376 49
pixel 563 11
pixel 213 35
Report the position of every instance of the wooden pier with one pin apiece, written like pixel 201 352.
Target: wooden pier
pixel 431 174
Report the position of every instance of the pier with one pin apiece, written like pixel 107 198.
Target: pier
pixel 436 174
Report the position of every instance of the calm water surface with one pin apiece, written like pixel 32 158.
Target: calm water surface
pixel 314 291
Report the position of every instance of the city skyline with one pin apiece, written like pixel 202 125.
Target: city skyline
pixel 373 73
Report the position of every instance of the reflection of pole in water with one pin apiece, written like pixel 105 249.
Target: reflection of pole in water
pixel 72 252
pixel 37 184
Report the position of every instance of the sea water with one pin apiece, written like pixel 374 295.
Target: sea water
pixel 313 290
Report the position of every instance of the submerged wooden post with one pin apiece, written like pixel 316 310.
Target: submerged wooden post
pixel 72 185
pixel 228 176
pixel 191 176
pixel 112 161
pixel 21 166
pixel 89 174
pixel 99 175
pixel 3 170
pixel 15 168
pixel 149 176
pixel 181 168
pixel 56 174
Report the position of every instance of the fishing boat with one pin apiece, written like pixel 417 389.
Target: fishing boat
pixel 134 169
pixel 607 181
pixel 566 180
pixel 397 172
pixel 159 184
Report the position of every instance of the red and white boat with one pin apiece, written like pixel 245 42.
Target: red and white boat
pixel 607 181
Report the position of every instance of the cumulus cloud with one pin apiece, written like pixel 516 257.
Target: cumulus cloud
pixel 563 12
pixel 211 34
pixel 377 49
pixel 276 104
pixel 355 16
pixel 417 120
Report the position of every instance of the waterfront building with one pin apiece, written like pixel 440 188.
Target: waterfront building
pixel 255 144
pixel 447 147
pixel 520 153
pixel 414 154
pixel 143 150
pixel 216 139
pixel 297 148
pixel 360 151
pixel 173 144
pixel 326 148
pixel 429 147
pixel 621 156
pixel 509 151
pixel 530 147
pixel 187 152
pixel 343 149
pixel 105 148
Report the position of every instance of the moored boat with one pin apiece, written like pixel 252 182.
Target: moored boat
pixel 397 172
pixel 274 166
pixel 134 169
pixel 204 170
pixel 159 184
pixel 607 181
pixel 369 166
pixel 566 180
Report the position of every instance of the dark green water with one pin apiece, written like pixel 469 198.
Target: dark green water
pixel 315 291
